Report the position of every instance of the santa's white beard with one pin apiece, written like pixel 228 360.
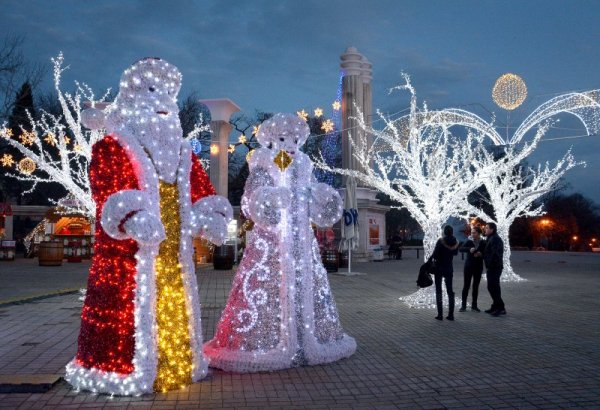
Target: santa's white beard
pixel 164 150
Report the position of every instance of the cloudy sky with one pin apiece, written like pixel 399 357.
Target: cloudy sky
pixel 284 55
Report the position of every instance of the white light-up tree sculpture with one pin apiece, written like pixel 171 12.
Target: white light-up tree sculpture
pixel 420 164
pixel 514 189
pixel 58 145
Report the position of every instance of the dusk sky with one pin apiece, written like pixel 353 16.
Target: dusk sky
pixel 283 56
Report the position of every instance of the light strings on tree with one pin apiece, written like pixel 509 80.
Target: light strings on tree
pixel 398 137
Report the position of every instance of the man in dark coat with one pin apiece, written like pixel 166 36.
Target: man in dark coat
pixel 492 256
pixel 445 249
pixel 396 246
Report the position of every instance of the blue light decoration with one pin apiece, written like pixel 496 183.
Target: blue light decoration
pixel 196 146
pixel 331 144
pixel 202 141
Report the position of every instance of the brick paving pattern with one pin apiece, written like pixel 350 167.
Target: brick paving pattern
pixel 544 354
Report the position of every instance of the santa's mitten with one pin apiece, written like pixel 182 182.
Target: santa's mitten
pixel 125 216
pixel 325 205
pixel 145 228
pixel 265 205
pixel 210 217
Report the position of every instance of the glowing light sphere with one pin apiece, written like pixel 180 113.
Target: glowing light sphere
pixel 26 166
pixel 214 149
pixel 509 91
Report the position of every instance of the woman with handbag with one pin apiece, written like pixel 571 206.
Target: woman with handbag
pixel 443 254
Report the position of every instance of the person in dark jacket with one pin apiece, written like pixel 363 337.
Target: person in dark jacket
pixel 492 256
pixel 474 248
pixel 396 246
pixel 445 249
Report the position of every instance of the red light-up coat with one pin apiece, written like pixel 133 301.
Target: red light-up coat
pixel 116 351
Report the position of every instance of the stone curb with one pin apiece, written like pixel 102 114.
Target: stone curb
pixel 29 299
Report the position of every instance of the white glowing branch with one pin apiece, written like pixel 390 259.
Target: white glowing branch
pixel 513 190
pixel 418 163
pixel 583 105
pixel 59 145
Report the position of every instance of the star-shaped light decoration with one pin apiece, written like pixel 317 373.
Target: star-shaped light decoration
pixel 282 160
pixel 231 148
pixel 255 129
pixel 66 140
pixel 302 114
pixel 7 160
pixel 6 132
pixel 242 139
pixel 50 139
pixel 327 126
pixel 27 138
pixel 336 105
pixel 318 112
pixel 249 155
pixel 77 148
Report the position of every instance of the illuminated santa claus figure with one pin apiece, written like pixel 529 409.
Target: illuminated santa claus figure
pixel 280 312
pixel 140 323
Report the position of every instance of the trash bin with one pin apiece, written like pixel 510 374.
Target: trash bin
pixel 343 259
pixel 378 254
pixel 330 260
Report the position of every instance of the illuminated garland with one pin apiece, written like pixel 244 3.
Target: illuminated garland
pixel 280 312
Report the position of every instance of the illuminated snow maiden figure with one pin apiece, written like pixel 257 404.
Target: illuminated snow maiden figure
pixel 140 323
pixel 280 312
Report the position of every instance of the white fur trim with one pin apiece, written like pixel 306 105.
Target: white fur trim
pixel 265 204
pixel 210 216
pixel 325 205
pixel 120 205
pixel 145 359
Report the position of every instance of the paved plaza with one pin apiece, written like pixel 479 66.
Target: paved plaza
pixel 545 353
